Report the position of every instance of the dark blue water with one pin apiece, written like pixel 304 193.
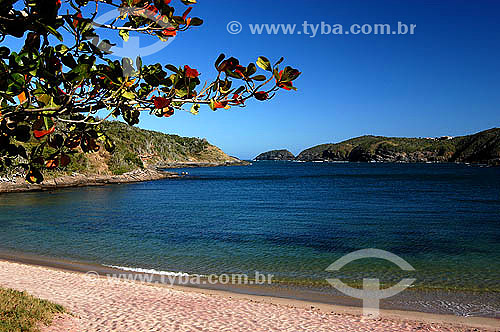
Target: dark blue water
pixel 289 219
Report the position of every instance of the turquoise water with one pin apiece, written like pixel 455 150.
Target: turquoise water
pixel 289 219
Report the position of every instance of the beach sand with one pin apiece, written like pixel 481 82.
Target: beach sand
pixel 100 304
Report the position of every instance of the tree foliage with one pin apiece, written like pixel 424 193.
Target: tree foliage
pixel 52 88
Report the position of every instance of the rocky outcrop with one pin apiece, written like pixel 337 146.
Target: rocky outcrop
pixel 79 180
pixel 276 155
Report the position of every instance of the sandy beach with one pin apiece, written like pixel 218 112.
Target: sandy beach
pixel 99 304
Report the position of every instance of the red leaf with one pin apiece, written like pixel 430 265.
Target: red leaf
pixel 161 102
pixel 186 13
pixel 261 95
pixel 236 101
pixel 284 85
pixel 52 163
pixel 170 32
pixel 76 21
pixel 228 64
pixel 64 160
pixel 22 97
pixel 169 112
pixel 190 73
pixel 220 104
pixel 40 133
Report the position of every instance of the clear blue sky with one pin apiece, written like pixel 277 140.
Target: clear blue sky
pixel 444 80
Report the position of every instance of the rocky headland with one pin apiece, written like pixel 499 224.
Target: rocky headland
pixel 140 155
pixel 482 147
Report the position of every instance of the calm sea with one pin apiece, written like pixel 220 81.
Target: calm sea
pixel 289 219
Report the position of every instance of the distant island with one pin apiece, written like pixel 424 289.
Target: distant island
pixel 483 147
pixel 276 155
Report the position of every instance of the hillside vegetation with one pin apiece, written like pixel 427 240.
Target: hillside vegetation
pixel 135 149
pixel 276 155
pixel 483 147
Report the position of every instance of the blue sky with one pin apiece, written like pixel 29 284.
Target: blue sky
pixel 443 80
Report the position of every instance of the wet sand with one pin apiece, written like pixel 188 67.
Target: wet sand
pixel 102 304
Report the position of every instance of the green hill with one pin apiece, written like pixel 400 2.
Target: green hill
pixel 136 149
pixel 276 155
pixel 483 147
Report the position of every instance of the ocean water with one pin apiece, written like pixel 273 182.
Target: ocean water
pixel 288 219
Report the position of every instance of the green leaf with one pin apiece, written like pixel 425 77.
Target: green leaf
pixel 195 109
pixel 109 145
pixel 124 35
pixel 129 95
pixel 48 122
pixel 18 78
pixel 173 68
pixel 54 32
pixel 259 78
pixel 61 49
pixel 264 63
pixel 196 21
pixel 131 116
pixel 47 101
pixel 69 61
pixel 212 104
pixel 179 20
pixel 219 60
pixel 239 90
pixel 276 74
pixel 251 69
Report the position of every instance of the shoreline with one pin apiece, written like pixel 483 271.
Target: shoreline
pixel 345 161
pixel 76 268
pixel 151 174
pixel 83 180
pixel 194 164
pixel 87 180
